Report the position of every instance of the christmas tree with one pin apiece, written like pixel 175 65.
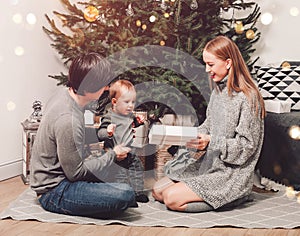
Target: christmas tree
pixel 156 43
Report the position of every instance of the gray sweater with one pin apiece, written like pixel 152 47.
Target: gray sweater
pixel 225 173
pixel 124 128
pixel 59 146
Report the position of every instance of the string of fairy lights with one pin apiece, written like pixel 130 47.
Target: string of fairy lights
pixel 91 14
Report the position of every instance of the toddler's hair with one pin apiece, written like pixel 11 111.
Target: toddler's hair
pixel 117 88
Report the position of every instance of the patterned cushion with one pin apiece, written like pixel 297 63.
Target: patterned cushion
pixel 281 83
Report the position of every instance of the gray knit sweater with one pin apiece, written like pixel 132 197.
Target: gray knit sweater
pixel 58 148
pixel 225 173
pixel 123 134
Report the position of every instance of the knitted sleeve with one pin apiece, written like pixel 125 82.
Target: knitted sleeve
pixel 102 130
pixel 248 134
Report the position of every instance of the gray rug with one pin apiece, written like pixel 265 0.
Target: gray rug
pixel 267 210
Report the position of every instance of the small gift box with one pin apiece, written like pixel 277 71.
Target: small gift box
pixel 171 135
pixel 278 106
pixel 141 132
pixel 141 135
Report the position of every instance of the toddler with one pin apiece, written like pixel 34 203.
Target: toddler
pixel 116 127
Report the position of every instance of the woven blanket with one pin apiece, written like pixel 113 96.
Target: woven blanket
pixel 272 209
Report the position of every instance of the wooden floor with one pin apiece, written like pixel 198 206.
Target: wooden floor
pixel 11 188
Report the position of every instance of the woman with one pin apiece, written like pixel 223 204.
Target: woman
pixel 231 135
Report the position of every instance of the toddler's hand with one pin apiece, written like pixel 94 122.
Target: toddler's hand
pixel 111 129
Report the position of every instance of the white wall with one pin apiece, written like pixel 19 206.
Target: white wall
pixel 280 40
pixel 25 78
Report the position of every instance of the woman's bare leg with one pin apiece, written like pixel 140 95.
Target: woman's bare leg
pixel 177 196
pixel 160 186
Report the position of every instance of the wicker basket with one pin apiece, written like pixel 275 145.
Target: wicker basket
pixel 162 156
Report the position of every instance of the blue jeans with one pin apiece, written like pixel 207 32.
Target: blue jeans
pixel 98 200
pixel 130 171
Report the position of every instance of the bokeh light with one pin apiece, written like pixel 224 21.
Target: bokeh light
pixel 294 11
pixel 19 51
pixel 166 15
pixel 31 18
pixel 14 2
pixel 11 106
pixel 266 18
pixel 152 18
pixel 277 169
pixel 294 132
pixel 290 192
pixel 17 18
pixel 138 23
pixel 144 26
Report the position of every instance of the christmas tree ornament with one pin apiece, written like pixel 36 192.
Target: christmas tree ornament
pixel 239 27
pixel 250 34
pixel 91 13
pixel 129 10
pixel 194 5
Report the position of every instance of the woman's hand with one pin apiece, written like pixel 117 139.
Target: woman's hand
pixel 121 152
pixel 199 143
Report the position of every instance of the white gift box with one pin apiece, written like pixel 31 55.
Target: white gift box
pixel 278 106
pixel 172 135
pixel 141 135
pixel 141 132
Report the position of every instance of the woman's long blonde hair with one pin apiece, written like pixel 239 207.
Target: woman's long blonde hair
pixel 239 77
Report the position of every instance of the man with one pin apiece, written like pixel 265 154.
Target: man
pixel 65 181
